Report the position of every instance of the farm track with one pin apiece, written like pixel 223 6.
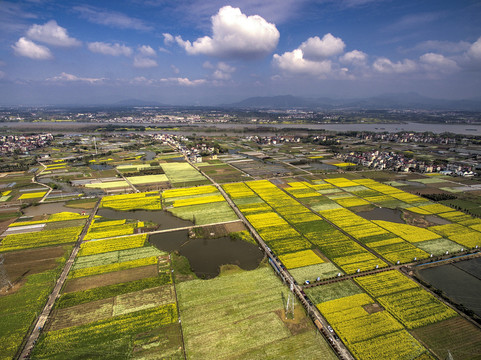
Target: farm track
pixel 43 317
pixel 178 309
pixel 127 181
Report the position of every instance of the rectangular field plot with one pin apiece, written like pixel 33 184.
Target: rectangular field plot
pixel 109 338
pixel 312 272
pixel 300 258
pixel 183 174
pixel 112 290
pixel 117 277
pixel 113 267
pixel 458 233
pixel 237 316
pixel 439 246
pixel 101 228
pixel 404 299
pixel 206 213
pixel 116 257
pixel 40 239
pixel 109 245
pixel 221 173
pixel 457 335
pixel 106 308
pixel 125 202
pixel 328 292
pixel 369 335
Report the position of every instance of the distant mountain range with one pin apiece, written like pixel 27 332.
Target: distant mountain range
pixel 137 102
pixel 402 101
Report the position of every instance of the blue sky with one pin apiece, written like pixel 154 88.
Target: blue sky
pixel 214 52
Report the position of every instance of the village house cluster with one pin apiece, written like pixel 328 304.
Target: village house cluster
pixel 10 144
pixel 407 137
pixel 383 160
pixel 273 140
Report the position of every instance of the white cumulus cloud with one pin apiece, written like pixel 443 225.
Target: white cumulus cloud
pixel 438 63
pixel 386 66
pixel 223 71
pixel 51 33
pixel 143 59
pixel 146 50
pixel 144 62
pixel 109 49
pixel 234 35
pixel 474 50
pixel 27 48
pixel 294 62
pixel 168 38
pixel 315 48
pixel 355 57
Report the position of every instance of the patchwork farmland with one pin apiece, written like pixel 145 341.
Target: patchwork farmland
pixel 125 298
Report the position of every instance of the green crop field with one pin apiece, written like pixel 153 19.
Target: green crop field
pixel 239 316
pixel 183 174
pixel 206 213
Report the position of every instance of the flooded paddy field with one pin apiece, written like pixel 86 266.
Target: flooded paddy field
pixel 460 281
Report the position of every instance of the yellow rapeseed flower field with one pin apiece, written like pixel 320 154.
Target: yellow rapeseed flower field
pixel 300 258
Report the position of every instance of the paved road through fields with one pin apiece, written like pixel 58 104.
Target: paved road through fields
pixel 337 345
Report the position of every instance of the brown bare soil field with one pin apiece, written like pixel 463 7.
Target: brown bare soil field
pixel 457 335
pixel 116 277
pixel 27 262
pixel 372 308
pixel 223 173
pixel 427 190
pixel 4 224
pixel 297 325
pixel 235 226
pixel 215 231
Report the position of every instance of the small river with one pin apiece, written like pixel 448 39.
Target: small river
pixel 460 281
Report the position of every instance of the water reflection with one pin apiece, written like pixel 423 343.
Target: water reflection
pixel 207 255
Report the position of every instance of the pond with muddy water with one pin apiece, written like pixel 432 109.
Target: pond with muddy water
pixel 205 255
